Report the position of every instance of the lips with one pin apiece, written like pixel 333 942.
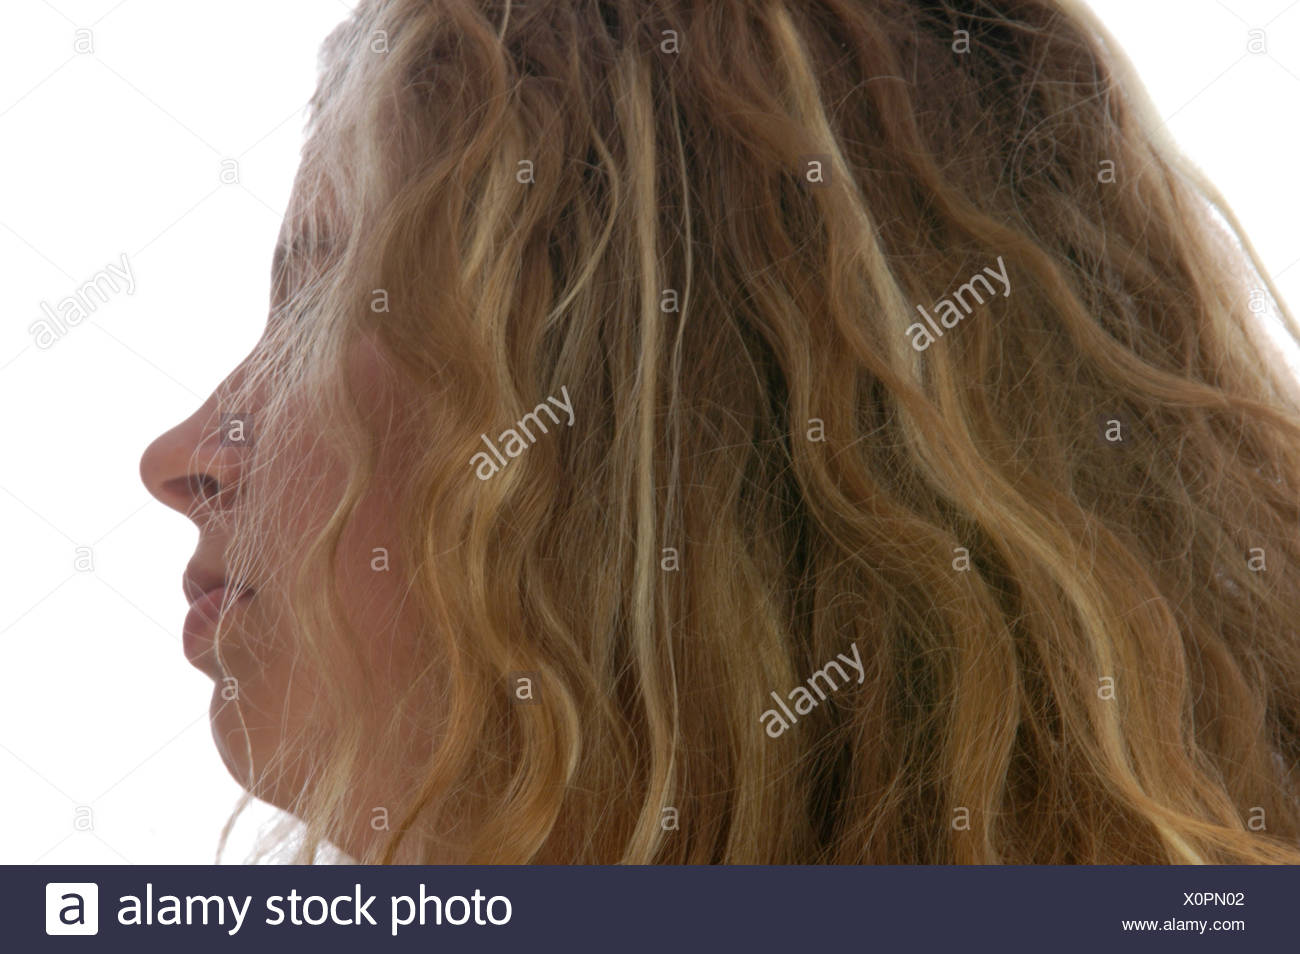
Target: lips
pixel 210 597
pixel 210 603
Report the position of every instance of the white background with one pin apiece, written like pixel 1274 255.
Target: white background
pixel 118 151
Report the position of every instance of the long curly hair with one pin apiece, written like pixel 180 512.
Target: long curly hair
pixel 1058 535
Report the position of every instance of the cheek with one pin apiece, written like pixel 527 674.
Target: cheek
pixel 259 646
pixel 275 684
pixel 372 583
pixel 275 688
pixel 373 586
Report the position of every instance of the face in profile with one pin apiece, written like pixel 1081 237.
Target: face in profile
pixel 239 630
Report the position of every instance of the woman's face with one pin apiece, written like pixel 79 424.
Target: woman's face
pixel 197 469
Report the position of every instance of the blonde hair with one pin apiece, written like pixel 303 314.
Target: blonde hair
pixel 1074 648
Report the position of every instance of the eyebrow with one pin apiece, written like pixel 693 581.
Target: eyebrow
pixel 278 257
pixel 279 275
pixel 296 247
pixel 283 247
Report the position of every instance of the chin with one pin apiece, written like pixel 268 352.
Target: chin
pixel 229 737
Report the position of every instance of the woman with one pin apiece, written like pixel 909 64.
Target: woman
pixel 754 432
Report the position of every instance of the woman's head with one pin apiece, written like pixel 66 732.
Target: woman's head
pixel 735 431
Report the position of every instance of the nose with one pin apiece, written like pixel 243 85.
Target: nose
pixel 194 468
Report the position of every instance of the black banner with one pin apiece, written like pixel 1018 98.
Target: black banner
pixel 262 908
